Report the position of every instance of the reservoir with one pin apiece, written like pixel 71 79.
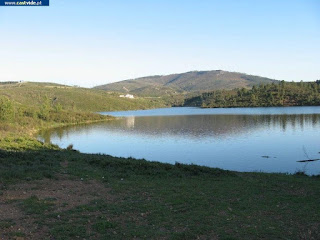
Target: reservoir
pixel 270 139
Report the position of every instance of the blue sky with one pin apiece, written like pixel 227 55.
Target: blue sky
pixel 88 43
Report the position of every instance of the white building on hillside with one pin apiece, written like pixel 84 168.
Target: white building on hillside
pixel 127 96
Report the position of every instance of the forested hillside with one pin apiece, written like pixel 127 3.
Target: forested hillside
pixel 264 95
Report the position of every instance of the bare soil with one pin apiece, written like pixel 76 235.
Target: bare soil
pixel 65 192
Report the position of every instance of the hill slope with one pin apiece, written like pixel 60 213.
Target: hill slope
pixel 196 81
pixel 73 98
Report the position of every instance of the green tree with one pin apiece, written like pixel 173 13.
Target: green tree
pixel 45 109
pixel 57 107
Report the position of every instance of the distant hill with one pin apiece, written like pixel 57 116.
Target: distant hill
pixel 196 81
pixel 73 98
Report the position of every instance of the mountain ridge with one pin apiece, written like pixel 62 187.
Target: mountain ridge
pixel 192 81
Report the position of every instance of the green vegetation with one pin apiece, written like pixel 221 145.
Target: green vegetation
pixel 24 119
pixel 26 107
pixel 73 98
pixel 52 193
pixel 176 84
pixel 34 205
pixel 282 94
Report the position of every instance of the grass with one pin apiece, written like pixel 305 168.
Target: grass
pixel 34 205
pixel 150 200
pixel 5 224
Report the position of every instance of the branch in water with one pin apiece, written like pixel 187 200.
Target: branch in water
pixel 309 160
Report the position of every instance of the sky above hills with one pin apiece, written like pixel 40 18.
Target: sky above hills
pixel 89 43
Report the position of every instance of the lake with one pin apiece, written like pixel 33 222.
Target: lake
pixel 241 139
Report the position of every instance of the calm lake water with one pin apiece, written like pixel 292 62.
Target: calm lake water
pixel 241 139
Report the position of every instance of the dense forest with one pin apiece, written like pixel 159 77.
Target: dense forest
pixel 264 95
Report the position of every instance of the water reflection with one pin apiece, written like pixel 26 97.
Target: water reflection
pixel 193 126
pixel 130 122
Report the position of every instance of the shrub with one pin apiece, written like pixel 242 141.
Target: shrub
pixel 6 109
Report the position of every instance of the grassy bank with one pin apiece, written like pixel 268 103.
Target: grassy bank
pixel 51 193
